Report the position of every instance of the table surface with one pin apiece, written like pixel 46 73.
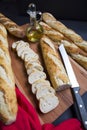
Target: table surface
pixel 65 96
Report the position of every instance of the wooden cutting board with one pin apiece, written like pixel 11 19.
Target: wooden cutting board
pixel 65 96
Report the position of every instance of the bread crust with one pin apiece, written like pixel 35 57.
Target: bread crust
pixel 80 59
pixel 68 34
pixel 57 25
pixel 12 27
pixel 53 64
pixel 8 100
pixel 51 33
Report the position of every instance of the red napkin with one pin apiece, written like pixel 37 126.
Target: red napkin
pixel 27 119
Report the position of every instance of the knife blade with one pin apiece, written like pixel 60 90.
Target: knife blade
pixel 74 86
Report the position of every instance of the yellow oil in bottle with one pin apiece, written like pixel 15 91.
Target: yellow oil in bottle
pixel 34 33
pixel 35 30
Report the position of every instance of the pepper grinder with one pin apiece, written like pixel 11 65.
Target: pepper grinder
pixel 35 30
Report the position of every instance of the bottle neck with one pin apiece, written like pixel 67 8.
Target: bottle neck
pixel 32 21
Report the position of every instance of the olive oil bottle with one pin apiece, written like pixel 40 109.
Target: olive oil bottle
pixel 34 31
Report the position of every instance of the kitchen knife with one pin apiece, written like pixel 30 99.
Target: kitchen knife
pixel 74 86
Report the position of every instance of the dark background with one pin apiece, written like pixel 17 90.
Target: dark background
pixel 61 9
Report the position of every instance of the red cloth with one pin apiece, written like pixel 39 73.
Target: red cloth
pixel 27 119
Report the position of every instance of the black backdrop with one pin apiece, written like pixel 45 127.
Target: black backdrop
pixel 61 9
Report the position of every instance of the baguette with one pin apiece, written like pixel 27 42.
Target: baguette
pixel 76 53
pixel 80 59
pixel 8 100
pixel 55 69
pixel 71 35
pixel 72 48
pixel 82 45
pixel 51 33
pixel 12 27
pixel 57 25
pixel 59 38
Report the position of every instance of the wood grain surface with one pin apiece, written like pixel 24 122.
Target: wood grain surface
pixel 65 96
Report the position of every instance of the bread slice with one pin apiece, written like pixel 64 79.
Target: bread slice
pixel 48 103
pixel 39 84
pixel 43 91
pixel 35 76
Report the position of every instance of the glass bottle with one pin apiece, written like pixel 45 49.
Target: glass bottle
pixel 35 30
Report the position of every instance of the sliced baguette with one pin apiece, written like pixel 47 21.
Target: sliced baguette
pixel 36 75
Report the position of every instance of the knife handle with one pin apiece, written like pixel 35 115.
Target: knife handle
pixel 80 106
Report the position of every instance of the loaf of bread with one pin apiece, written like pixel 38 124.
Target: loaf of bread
pixel 82 45
pixel 40 86
pixel 57 25
pixel 68 33
pixel 8 100
pixel 76 53
pixel 12 27
pixel 59 38
pixel 80 59
pixel 51 33
pixel 55 68
pixel 72 48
